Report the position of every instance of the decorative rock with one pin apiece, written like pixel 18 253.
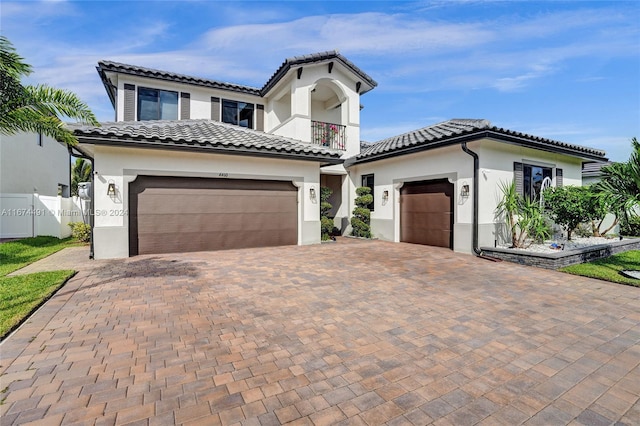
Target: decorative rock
pixel 631 274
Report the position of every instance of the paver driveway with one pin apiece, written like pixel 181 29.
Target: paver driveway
pixel 354 332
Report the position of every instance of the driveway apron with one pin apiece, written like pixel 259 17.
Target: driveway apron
pixel 355 332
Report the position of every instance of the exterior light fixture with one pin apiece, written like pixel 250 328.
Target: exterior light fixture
pixel 312 193
pixel 111 189
pixel 385 195
pixel 465 190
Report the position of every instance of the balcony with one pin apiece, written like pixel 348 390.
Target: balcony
pixel 328 134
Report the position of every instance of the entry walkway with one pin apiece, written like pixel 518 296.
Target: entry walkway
pixel 354 332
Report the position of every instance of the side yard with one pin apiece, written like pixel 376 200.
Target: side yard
pixel 20 295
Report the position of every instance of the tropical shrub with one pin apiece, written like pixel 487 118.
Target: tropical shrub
pixel 630 226
pixel 361 220
pixel 619 187
pixel 81 231
pixel 523 217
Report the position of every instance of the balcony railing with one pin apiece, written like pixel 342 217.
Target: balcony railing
pixel 331 135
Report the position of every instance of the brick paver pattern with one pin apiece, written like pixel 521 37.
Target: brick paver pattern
pixel 354 332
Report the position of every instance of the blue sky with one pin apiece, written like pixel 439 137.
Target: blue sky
pixel 569 71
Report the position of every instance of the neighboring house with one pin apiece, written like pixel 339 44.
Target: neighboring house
pixel 33 170
pixel 197 164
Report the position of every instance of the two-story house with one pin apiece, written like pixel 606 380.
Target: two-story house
pixel 197 164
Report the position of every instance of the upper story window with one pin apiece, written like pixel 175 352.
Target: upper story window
pixel 238 113
pixel 156 104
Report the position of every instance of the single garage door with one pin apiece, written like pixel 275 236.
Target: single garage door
pixel 426 213
pixel 179 214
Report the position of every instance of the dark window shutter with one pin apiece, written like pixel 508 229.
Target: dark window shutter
pixel 260 117
pixel 129 102
pixel 215 109
pixel 185 106
pixel 559 175
pixel 518 177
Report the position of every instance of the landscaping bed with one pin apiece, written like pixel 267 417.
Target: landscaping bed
pixel 571 255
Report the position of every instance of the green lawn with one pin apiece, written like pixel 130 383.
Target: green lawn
pixel 608 269
pixel 20 295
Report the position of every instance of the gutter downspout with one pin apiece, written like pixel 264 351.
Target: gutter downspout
pixel 476 186
pixel 86 157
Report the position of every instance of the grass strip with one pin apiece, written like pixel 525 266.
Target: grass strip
pixel 22 294
pixel 20 253
pixel 609 268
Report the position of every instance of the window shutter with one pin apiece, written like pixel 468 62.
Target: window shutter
pixel 260 117
pixel 559 175
pixel 185 106
pixel 215 109
pixel 518 177
pixel 129 102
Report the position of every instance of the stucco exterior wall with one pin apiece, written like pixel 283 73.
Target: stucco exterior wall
pixel 28 168
pixel 200 97
pixel 496 165
pixel 122 165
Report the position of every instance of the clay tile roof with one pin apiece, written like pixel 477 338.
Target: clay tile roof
pixel 457 130
pixel 201 135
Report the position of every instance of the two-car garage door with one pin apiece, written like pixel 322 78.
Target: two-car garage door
pixel 182 214
pixel 426 213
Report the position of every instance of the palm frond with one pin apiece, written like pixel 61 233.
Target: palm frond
pixel 11 64
pixel 51 101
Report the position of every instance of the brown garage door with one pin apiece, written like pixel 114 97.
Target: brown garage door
pixel 426 213
pixel 178 214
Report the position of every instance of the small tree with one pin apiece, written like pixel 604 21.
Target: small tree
pixel 326 223
pixel 597 209
pixel 360 222
pixel 568 206
pixel 620 185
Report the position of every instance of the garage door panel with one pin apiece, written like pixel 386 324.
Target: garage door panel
pixel 426 213
pixel 212 223
pixel 214 201
pixel 191 214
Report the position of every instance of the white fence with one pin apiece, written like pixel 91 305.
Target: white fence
pixel 30 215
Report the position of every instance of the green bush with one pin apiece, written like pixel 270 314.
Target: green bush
pixel 81 231
pixel 326 223
pixel 630 226
pixel 360 222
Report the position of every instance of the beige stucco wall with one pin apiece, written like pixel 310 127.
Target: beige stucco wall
pixel 200 97
pixel 26 167
pixel 122 165
pixel 296 93
pixel 496 164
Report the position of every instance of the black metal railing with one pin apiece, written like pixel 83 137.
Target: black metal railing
pixel 328 134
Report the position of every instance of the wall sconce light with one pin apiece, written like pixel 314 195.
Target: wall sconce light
pixel 312 193
pixel 111 189
pixel 465 190
pixel 385 195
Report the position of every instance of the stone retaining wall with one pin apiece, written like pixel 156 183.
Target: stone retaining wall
pixel 562 258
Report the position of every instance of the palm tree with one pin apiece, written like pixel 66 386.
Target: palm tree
pixel 35 108
pixel 80 172
pixel 620 184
